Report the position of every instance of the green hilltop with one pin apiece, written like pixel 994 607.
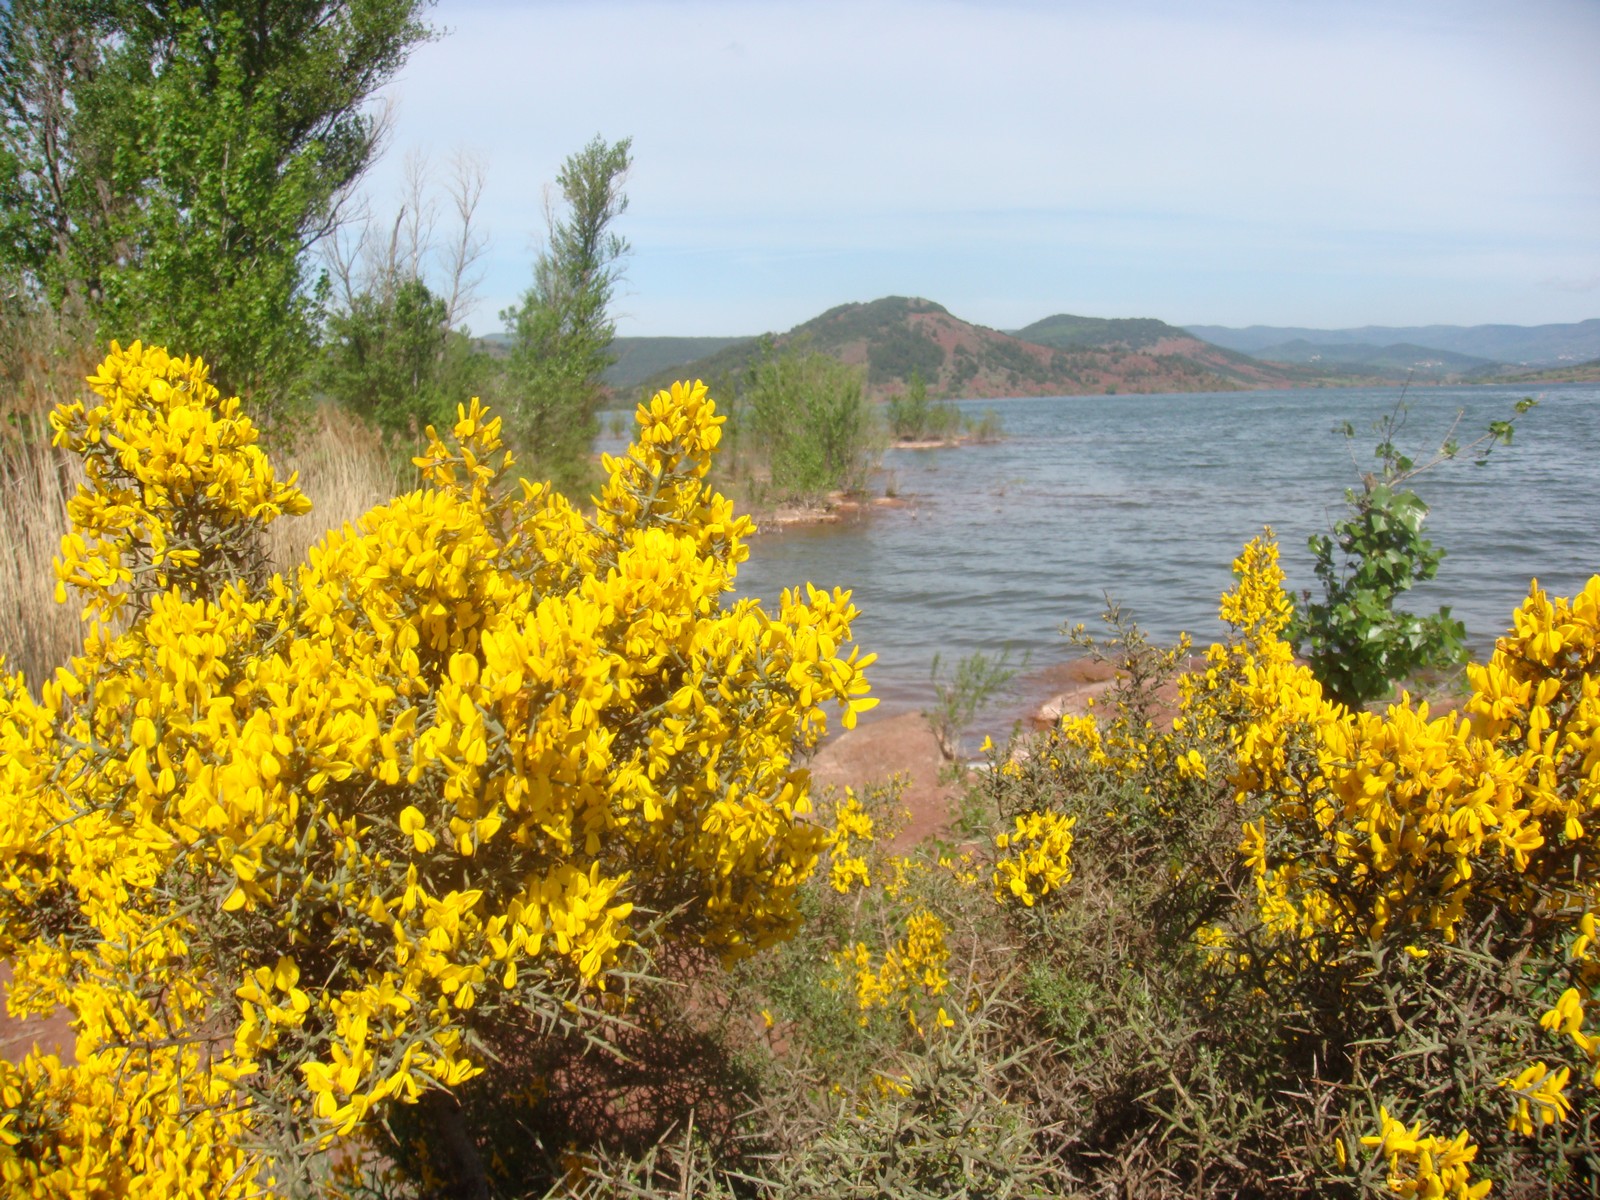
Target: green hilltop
pixel 1067 332
pixel 639 358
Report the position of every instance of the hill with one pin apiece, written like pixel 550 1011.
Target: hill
pixel 1523 345
pixel 1144 349
pixel 1588 372
pixel 640 358
pixel 1067 332
pixel 1061 355
pixel 1399 359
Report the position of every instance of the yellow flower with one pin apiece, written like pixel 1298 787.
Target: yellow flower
pixel 1426 1166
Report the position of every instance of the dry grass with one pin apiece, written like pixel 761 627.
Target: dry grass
pixel 36 633
pixel 344 471
pixel 41 365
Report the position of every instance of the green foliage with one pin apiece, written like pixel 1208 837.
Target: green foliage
pixel 979 678
pixel 902 351
pixel 912 418
pixel 396 362
pixel 1356 640
pixel 167 167
pixel 806 413
pixel 562 330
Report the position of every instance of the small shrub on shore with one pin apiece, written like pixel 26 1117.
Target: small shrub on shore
pixel 978 679
pixel 985 428
pixel 914 418
pixel 806 425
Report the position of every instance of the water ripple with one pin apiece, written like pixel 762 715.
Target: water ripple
pixel 1151 497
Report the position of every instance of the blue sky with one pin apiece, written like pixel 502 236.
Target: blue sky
pixel 1287 163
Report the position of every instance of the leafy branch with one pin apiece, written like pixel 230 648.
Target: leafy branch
pixel 1357 642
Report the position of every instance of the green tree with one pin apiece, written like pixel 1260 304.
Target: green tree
pixel 562 331
pixel 393 359
pixel 58 143
pixel 172 163
pixel 394 347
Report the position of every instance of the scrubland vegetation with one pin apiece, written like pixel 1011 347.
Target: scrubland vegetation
pixel 475 856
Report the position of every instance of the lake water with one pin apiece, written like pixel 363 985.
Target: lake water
pixel 1150 498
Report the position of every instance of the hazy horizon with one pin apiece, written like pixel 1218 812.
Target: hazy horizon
pixel 750 333
pixel 1228 163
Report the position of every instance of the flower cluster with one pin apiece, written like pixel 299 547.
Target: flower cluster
pixel 177 489
pixel 1541 1098
pixel 115 1124
pixel 1426 1166
pixel 287 847
pixel 1038 857
pixel 852 837
pixel 912 969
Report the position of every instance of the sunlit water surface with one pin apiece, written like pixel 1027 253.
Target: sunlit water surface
pixel 1149 499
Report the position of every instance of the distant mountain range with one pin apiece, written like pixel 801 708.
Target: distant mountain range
pixel 638 358
pixel 1061 355
pixel 1515 345
pixel 1071 355
pixel 1368 358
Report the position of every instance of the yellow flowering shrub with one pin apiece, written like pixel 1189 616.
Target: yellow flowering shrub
pixel 1388 910
pixel 1378 843
pixel 1398 824
pixel 289 848
pixel 1259 926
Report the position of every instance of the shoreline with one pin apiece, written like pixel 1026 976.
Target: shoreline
pixel 840 507
pixel 901 745
pixel 837 509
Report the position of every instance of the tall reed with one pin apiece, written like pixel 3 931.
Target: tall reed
pixel 43 362
pixel 344 471
pixel 36 633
